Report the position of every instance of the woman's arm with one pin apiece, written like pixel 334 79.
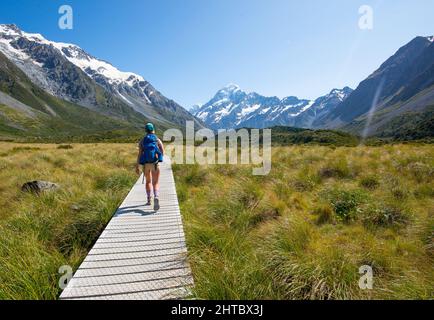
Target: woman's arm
pixel 140 153
pixel 138 158
pixel 161 146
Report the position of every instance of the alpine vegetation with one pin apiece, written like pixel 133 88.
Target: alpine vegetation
pixel 224 150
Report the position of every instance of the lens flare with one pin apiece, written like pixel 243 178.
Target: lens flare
pixel 373 109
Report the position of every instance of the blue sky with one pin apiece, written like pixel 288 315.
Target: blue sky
pixel 188 49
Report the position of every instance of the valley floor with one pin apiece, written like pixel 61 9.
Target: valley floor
pixel 304 231
pixel 301 232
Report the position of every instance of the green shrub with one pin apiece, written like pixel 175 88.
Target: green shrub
pixel 345 202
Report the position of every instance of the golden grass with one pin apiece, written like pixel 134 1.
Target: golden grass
pixel 301 232
pixel 38 234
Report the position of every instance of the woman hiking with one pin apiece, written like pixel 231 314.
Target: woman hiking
pixel 151 151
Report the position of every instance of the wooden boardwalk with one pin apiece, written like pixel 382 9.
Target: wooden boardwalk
pixel 141 254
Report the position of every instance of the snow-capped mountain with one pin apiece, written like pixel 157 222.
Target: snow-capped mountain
pixel 68 72
pixel 231 107
pixel 395 100
pixel 195 108
pixel 322 106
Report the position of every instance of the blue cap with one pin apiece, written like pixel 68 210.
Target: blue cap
pixel 149 127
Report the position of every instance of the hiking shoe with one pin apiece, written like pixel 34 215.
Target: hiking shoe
pixel 156 204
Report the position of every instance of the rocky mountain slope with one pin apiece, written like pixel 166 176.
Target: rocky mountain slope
pixel 402 86
pixel 67 72
pixel 26 111
pixel 404 83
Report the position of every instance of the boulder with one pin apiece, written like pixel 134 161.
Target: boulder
pixel 76 207
pixel 39 186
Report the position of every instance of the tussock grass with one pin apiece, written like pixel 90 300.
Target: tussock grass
pixel 325 214
pixel 303 231
pixel 38 234
pixel 336 169
pixel 370 182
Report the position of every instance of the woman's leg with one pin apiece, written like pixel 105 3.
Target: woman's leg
pixel 156 186
pixel 156 180
pixel 148 176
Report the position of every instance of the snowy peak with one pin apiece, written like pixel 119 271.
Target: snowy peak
pixel 228 92
pixel 89 64
pixel 230 89
pixel 92 65
pixel 340 94
pixel 231 107
pixel 9 29
pixel 68 72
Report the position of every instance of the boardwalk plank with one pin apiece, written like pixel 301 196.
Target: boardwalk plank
pixel 141 254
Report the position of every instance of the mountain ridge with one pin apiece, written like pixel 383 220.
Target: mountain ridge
pixel 68 72
pixel 29 112
pixel 403 84
pixel 399 79
pixel 231 108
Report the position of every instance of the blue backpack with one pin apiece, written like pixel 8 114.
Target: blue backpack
pixel 151 153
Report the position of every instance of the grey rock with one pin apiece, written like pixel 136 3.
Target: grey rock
pixel 76 207
pixel 39 186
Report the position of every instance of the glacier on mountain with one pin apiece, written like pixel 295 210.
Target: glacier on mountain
pixel 233 108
